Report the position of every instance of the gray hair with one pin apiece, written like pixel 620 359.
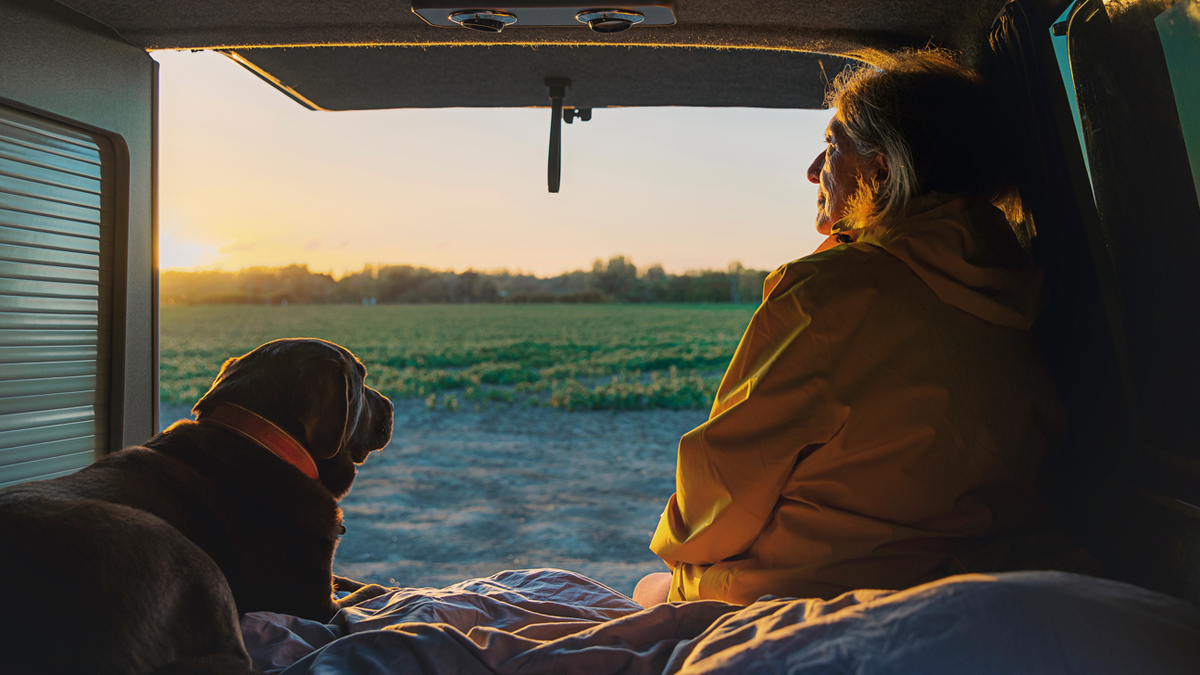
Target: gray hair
pixel 928 117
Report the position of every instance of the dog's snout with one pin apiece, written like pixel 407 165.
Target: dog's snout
pixel 380 404
pixel 385 413
pixel 386 429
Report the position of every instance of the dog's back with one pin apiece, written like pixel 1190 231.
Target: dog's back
pixel 97 587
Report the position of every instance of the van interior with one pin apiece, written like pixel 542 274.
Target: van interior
pixel 1103 98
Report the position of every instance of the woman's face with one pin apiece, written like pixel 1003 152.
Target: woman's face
pixel 836 172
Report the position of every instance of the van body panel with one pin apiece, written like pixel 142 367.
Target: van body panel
pixel 64 67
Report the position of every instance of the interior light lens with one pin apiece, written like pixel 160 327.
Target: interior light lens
pixel 609 20
pixel 486 21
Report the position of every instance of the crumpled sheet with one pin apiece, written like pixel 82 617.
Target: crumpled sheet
pixel 553 621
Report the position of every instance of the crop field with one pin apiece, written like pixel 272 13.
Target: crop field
pixel 452 357
pixel 495 477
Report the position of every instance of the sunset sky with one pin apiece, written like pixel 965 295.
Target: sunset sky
pixel 249 177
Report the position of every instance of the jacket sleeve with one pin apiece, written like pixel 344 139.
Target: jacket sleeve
pixel 772 405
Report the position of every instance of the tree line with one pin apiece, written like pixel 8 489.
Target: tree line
pixel 615 280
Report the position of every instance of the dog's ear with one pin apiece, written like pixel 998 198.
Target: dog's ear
pixel 322 406
pixel 208 401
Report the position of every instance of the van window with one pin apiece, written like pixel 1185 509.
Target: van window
pixel 56 295
pixel 1058 37
pixel 1179 31
pixel 1133 106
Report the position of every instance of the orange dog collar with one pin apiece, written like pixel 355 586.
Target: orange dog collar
pixel 263 432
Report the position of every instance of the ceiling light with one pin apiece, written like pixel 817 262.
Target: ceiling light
pixel 485 20
pixel 609 20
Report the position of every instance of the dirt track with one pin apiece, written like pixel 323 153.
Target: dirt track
pixel 467 494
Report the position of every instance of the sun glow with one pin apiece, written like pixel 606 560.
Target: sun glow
pixel 248 177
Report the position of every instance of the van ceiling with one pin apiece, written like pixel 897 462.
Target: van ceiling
pixel 362 54
pixel 361 78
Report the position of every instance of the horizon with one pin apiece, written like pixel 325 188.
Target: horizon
pixel 337 276
pixel 248 178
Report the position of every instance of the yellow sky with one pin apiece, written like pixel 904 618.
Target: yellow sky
pixel 248 177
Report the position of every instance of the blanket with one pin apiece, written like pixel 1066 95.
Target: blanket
pixel 553 621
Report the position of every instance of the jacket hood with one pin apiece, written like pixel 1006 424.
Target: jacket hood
pixel 966 252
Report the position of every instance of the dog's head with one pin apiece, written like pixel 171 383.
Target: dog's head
pixel 313 390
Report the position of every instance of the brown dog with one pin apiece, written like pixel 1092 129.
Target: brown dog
pixel 148 556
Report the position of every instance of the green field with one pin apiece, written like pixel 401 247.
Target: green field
pixel 600 357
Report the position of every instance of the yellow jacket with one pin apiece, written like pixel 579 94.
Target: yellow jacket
pixel 885 402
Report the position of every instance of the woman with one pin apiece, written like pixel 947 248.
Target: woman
pixel 886 401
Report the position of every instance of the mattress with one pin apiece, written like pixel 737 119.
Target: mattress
pixel 554 621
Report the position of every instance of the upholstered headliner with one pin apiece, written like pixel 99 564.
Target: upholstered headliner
pixel 342 78
pixel 377 53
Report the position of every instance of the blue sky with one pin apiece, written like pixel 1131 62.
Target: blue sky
pixel 249 177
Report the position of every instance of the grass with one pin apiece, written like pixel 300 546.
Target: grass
pixel 590 357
